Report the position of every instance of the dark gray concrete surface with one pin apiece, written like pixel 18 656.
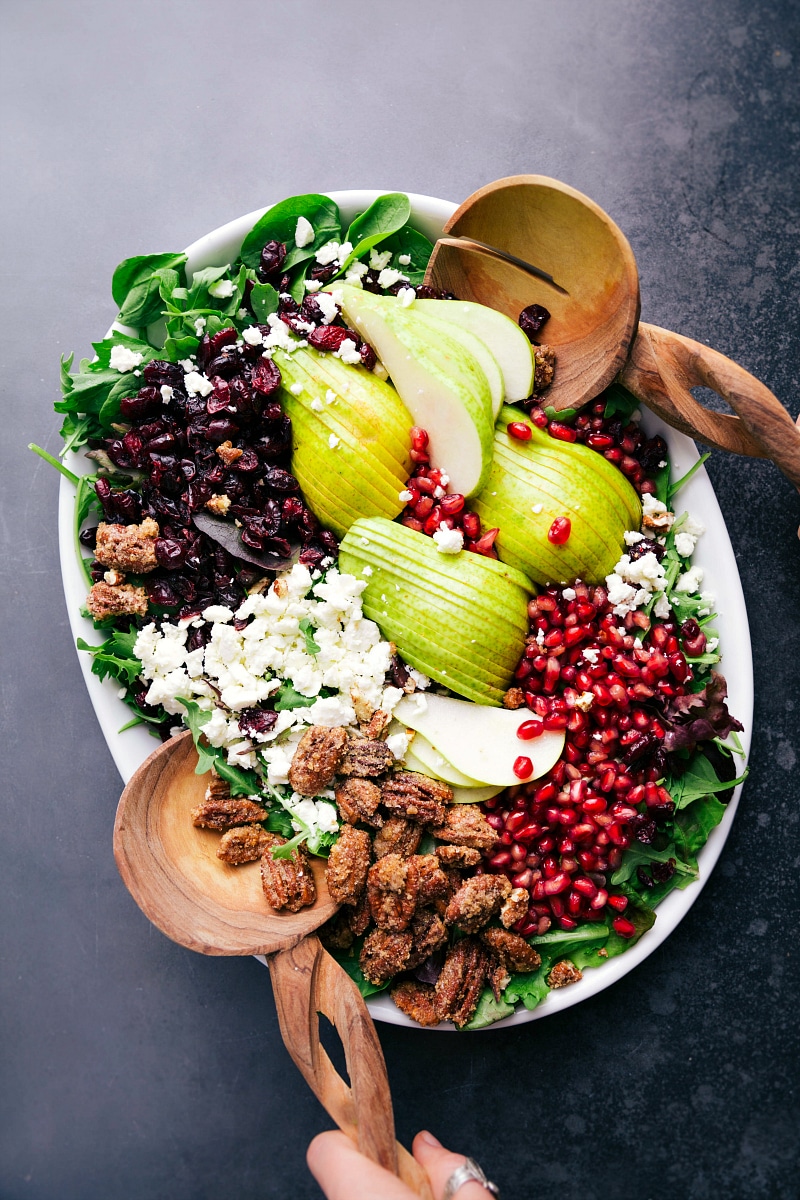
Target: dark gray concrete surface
pixel 132 1068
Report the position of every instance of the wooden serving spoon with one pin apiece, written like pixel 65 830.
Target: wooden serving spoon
pixel 594 325
pixel 172 871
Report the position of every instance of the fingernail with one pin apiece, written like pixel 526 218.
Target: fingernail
pixel 429 1138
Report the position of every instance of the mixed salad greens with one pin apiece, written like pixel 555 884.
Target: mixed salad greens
pixel 168 316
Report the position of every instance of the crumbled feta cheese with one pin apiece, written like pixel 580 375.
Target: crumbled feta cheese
pixel 711 645
pixel 303 233
pixel 439 492
pixel 222 289
pixel 296 388
pixel 685 544
pixel 218 613
pixel 316 404
pixel 348 352
pixel 166 393
pixel 690 580
pixel 367 570
pixel 633 583
pixel 378 259
pixel 197 384
pixel 328 307
pixel 569 593
pixel 313 285
pixel 406 296
pixel 333 441
pixel 448 541
pixel 398 743
pixel 330 396
pixel 591 655
pixel 661 608
pixel 404 260
pixel 356 271
pixel 405 496
pixel 695 528
pixel 279 336
pixel 388 277
pixel 199 326
pixel 124 359
pixel 632 537
pixel 188 364
pixel 253 336
pixel 327 254
pixel 537 508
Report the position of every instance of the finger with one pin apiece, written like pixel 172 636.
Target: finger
pixel 440 1164
pixel 345 1174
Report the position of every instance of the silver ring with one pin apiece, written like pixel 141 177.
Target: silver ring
pixel 467 1173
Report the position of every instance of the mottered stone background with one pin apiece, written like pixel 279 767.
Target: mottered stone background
pixel 133 1068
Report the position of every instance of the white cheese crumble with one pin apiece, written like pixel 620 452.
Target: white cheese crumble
pixel 330 396
pixel 221 290
pixel 124 359
pixel 685 544
pixel 379 259
pixel 166 393
pixel 327 254
pixel 690 580
pixel 328 307
pixel 333 441
pixel 448 541
pixel 304 233
pixel 406 296
pixel 197 384
pixel 313 285
pixel 388 277
pixel 296 388
pixel 253 336
pixel 537 508
pixel 632 584
pixel 404 260
pixel 348 352
pixel 199 326
pixel 405 496
pixel 316 405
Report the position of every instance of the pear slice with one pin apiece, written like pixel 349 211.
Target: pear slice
pixel 508 344
pixel 481 742
pixel 435 763
pixel 535 481
pixel 440 382
pixel 475 795
pixel 460 618
pixel 479 349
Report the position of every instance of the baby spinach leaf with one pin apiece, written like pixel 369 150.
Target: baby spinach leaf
pixel 700 779
pixel 409 242
pixel 263 301
pixel 385 216
pixel 638 855
pixel 620 402
pixel 694 823
pixel 279 224
pixel 136 286
pixel 488 1011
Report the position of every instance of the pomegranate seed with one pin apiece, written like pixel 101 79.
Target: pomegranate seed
pixel 452 505
pixel 419 437
pixel 471 524
pixel 563 432
pixel 530 729
pixel 523 767
pixel 623 927
pixel 519 430
pixel 620 903
pixel 560 530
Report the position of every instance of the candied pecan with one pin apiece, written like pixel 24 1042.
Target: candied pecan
pixel 397 836
pixel 416 1000
pixel 287 882
pixel 366 758
pixel 545 367
pixel 477 900
pixel 246 843
pixel 499 979
pixel 376 724
pixel 116 600
pixel 515 907
pixel 358 918
pixel 358 800
pixel 512 950
pixel 383 955
pixel 429 933
pixel 416 796
pixel 219 504
pixel 563 972
pixel 458 856
pixel 465 825
pixel 433 882
pixel 348 863
pixel 514 698
pixel 461 981
pixel 229 453
pixel 392 891
pixel 316 759
pixel 336 933
pixel 220 814
pixel 128 547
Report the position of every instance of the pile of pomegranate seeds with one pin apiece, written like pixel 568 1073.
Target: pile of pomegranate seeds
pixel 429 506
pixel 562 836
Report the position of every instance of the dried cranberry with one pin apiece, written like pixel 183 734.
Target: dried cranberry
pixel 281 481
pixel 368 356
pixel 160 592
pixel 257 720
pixel 88 537
pixel 271 261
pixel 158 371
pixel 266 377
pixel 170 553
pixel 531 320
pixel 225 364
pixel 247 462
pixel 146 402
pixel 220 398
pixel 225 337
pixel 646 546
pixel 221 429
pixel 330 337
pixel 203 352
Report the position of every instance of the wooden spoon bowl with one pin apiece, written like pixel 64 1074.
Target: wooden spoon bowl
pixel 595 328
pixel 172 871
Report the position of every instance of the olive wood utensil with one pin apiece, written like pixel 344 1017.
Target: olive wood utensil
pixel 594 324
pixel 172 871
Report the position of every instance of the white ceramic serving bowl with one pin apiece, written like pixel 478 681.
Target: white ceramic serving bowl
pixel 714 554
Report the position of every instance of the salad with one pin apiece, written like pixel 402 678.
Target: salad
pixel 326 584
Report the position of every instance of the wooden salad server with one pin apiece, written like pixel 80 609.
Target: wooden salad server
pixel 172 871
pixel 594 326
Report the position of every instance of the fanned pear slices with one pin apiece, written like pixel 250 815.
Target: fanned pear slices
pixel 350 443
pixel 509 346
pixel 460 618
pixel 482 743
pixel 440 381
pixel 533 482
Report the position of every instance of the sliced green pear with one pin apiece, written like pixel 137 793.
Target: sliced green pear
pixel 475 795
pixel 477 347
pixel 436 763
pixel 508 344
pixel 350 438
pixel 533 482
pixel 460 618
pixel 481 742
pixel 440 382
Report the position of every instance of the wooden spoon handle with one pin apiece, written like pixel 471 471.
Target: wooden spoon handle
pixel 306 982
pixel 664 366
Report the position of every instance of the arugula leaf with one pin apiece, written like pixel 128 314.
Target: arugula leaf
pixel 279 821
pixel 529 986
pixel 488 1011
pixel 136 287
pixel 240 781
pixel 638 855
pixel 348 960
pixel 674 488
pixel 620 402
pixel 279 224
pixel 287 697
pixel 694 823
pixel 700 779
pixel 306 628
pixel 115 656
pixel 386 215
pixel 48 458
pixel 289 847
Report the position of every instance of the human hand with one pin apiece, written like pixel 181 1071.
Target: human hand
pixel 344 1174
